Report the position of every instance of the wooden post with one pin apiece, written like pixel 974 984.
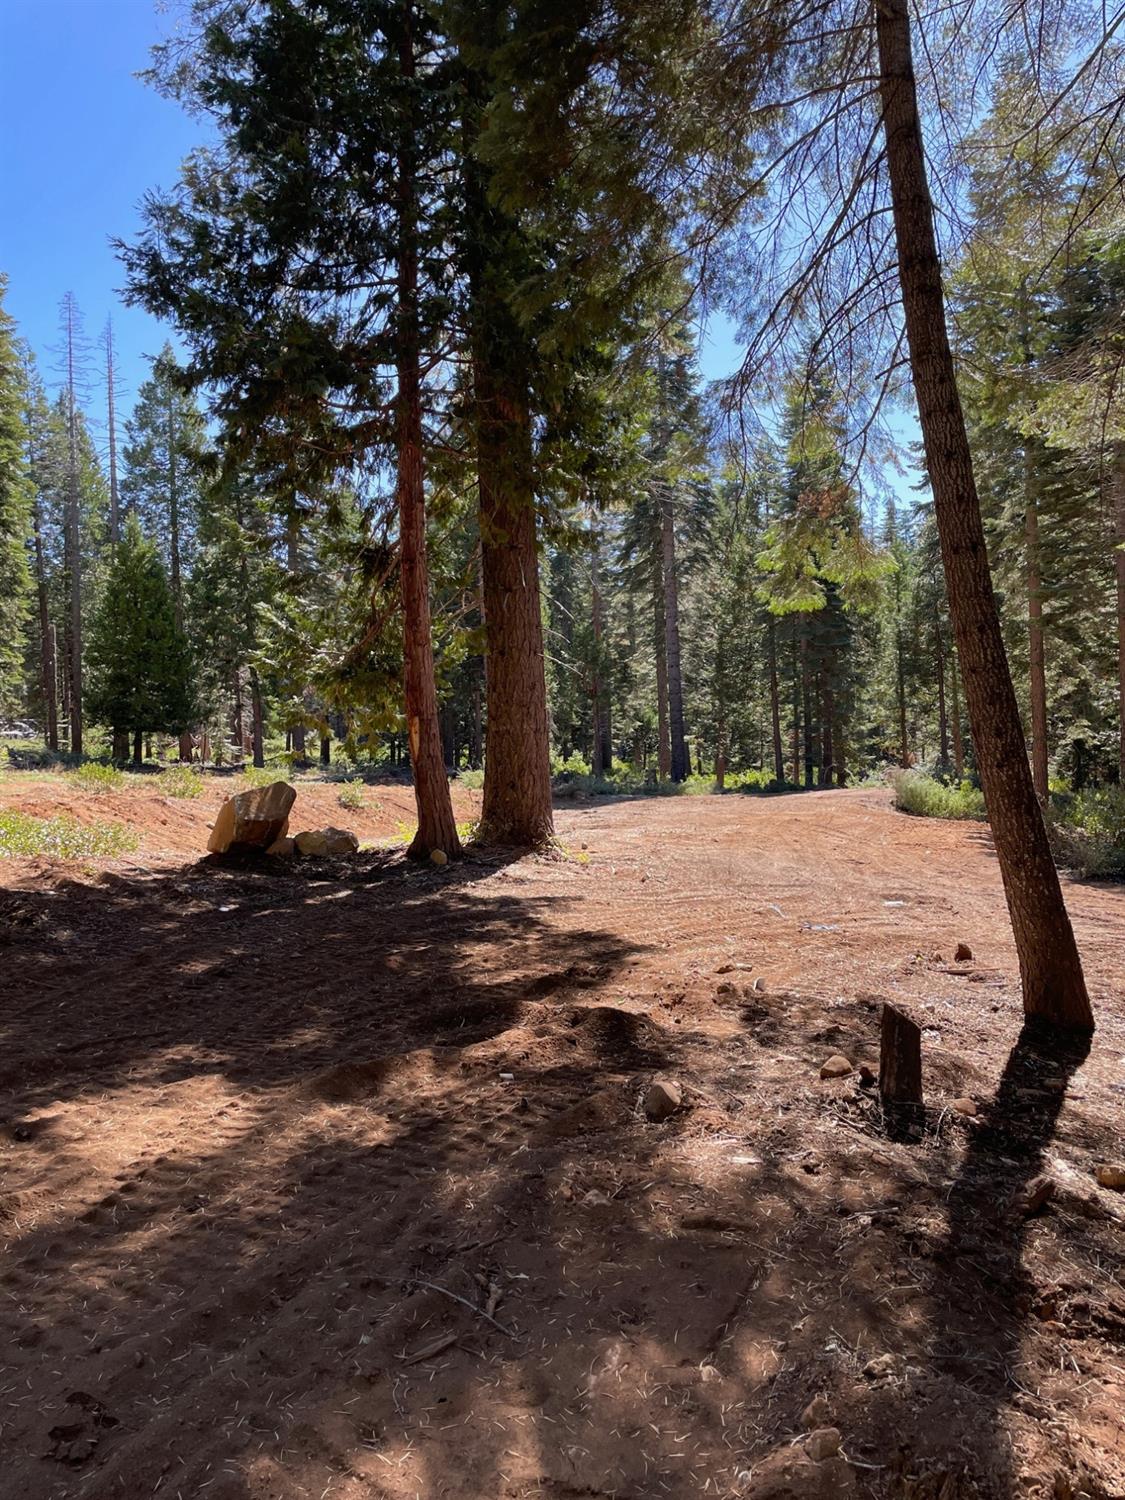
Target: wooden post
pixel 900 1058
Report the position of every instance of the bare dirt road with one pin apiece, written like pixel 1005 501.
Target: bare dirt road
pixel 334 1182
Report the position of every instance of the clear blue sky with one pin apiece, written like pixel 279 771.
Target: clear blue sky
pixel 81 142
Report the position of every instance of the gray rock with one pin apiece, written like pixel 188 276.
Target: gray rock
pixel 837 1066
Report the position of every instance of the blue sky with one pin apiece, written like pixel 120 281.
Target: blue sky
pixel 82 139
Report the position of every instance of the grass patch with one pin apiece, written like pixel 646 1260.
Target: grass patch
pixel 61 837
pixel 96 776
pixel 180 781
pixel 926 798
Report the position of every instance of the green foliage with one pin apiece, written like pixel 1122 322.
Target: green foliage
pixel 15 512
pixel 1087 831
pixel 917 793
pixel 351 795
pixel 97 776
pixel 180 781
pixel 140 664
pixel 61 838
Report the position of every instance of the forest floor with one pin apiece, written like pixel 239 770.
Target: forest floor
pixel 331 1182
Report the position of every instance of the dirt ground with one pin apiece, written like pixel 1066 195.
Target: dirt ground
pixel 335 1183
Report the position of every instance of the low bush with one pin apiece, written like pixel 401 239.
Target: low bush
pixel 921 795
pixel 61 837
pixel 1087 831
pixel 97 776
pixel 351 795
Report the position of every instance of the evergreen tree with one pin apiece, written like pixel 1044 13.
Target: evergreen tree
pixel 140 670
pixel 15 514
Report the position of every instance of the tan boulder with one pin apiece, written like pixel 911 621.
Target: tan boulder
pixel 254 819
pixel 327 843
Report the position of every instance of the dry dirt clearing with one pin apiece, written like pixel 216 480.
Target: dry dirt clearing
pixel 333 1182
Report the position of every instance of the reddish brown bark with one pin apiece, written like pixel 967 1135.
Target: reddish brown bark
pixel 437 827
pixel 1054 989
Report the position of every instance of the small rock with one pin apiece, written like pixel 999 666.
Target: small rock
pixel 817 1414
pixel 965 1106
pixel 662 1098
pixel 1111 1176
pixel 438 857
pixel 1030 1199
pixel 867 1077
pixel 760 985
pixel 823 1443
pixel 962 953
pixel 882 1367
pixel 837 1066
pixel 327 843
pixel 282 848
pixel 709 1373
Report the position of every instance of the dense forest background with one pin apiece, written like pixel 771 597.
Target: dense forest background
pixel 730 594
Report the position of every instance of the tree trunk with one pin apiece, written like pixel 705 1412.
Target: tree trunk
pixel 679 767
pixel 796 716
pixel 1036 652
pixel 775 707
pixel 660 650
pixel 1118 482
pixel 237 729
pixel 258 739
pixel 900 692
pixel 601 756
pixel 437 827
pixel 138 748
pixel 73 549
pixel 326 749
pixel 943 716
pixel 1053 986
pixel 806 712
pixel 958 741
pixel 828 739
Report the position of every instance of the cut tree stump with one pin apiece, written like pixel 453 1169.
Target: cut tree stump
pixel 900 1058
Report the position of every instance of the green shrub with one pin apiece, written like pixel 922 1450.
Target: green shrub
pixel 180 781
pixel 926 798
pixel 1087 831
pixel 95 776
pixel 474 780
pixel 61 837
pixel 260 775
pixel 351 794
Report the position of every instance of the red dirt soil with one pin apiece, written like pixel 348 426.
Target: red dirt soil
pixel 332 1181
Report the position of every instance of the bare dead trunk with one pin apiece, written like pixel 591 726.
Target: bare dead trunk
pixel 1053 986
pixel 238 731
pixel 111 417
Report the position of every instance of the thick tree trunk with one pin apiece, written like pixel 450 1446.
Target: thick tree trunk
pixel 1053 986
pixel 238 731
pixel 900 694
pixel 73 548
pixel 828 737
pixel 138 748
pixel 437 827
pixel 601 755
pixel 775 707
pixel 111 416
pixel 796 746
pixel 806 713
pixel 679 767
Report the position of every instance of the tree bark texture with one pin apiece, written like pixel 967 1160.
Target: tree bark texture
pixel 678 767
pixel 1053 985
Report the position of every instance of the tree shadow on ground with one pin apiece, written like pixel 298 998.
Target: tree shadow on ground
pixel 346 1195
